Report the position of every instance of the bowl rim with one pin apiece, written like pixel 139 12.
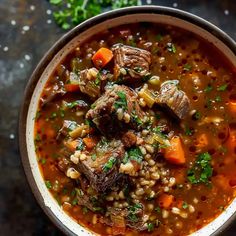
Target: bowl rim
pixel 28 92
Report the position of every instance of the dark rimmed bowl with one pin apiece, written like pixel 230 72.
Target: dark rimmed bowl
pixel 53 57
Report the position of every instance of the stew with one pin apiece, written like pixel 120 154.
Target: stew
pixel 135 132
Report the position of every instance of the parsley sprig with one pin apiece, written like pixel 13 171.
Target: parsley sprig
pixel 69 13
pixel 201 170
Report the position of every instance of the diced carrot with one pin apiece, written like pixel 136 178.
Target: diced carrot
pixel 71 144
pixel 175 152
pixel 165 200
pixel 202 140
pixel 71 87
pixel 232 106
pixel 118 230
pixel 89 142
pixel 102 57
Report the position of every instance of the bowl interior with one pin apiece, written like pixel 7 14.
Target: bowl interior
pixel 30 161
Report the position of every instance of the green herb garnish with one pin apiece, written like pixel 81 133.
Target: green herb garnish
pixel 84 210
pixel 171 47
pixel 133 210
pixel 197 115
pixel 158 209
pixel 80 145
pixel 70 13
pixel 108 166
pixel 53 115
pixel 201 170
pixel 188 131
pixel 135 154
pixel 150 227
pixel 48 184
pixel 159 37
pixel 185 205
pixel 37 138
pixel 222 87
pixel 94 157
pixel 208 88
pixel 121 102
pixel 74 202
pixel 218 98
pixel 187 67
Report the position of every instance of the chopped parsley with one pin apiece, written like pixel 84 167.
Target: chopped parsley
pixel 70 13
pixel 43 161
pixel 188 131
pixel 187 67
pixel 197 115
pixel 133 210
pixel 158 209
pixel 80 145
pixel 159 37
pixel 53 115
pixel 94 157
pixel 74 202
pixel 157 130
pixel 38 114
pixel 135 154
pixel 85 210
pixel 37 138
pixel 218 98
pixel 108 166
pixel 136 119
pixel 121 102
pixel 77 103
pixel 222 87
pixel 201 171
pixel 209 103
pixel 48 184
pixel 171 47
pixel 209 88
pixel 150 227
pixel 185 205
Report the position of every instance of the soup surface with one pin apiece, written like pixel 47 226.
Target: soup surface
pixel 135 132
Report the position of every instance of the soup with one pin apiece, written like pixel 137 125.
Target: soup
pixel 135 132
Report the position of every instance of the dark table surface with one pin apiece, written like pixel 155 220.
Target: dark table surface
pixel 27 31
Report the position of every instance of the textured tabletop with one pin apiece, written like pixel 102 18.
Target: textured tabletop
pixel 27 31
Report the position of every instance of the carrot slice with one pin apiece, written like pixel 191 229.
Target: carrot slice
pixel 89 142
pixel 102 57
pixel 118 230
pixel 71 144
pixel 232 106
pixel 175 152
pixel 165 200
pixel 71 87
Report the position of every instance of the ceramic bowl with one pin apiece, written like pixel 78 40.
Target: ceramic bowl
pixel 53 57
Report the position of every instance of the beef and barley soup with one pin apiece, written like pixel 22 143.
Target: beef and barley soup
pixel 135 132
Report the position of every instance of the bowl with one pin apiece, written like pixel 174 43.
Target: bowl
pixel 59 50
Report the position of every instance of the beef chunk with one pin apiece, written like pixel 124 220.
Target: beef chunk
pixel 129 139
pixel 101 167
pixel 174 99
pixel 130 62
pixel 117 108
pixel 133 216
pixel 52 93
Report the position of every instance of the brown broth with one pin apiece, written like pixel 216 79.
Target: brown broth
pixel 202 71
